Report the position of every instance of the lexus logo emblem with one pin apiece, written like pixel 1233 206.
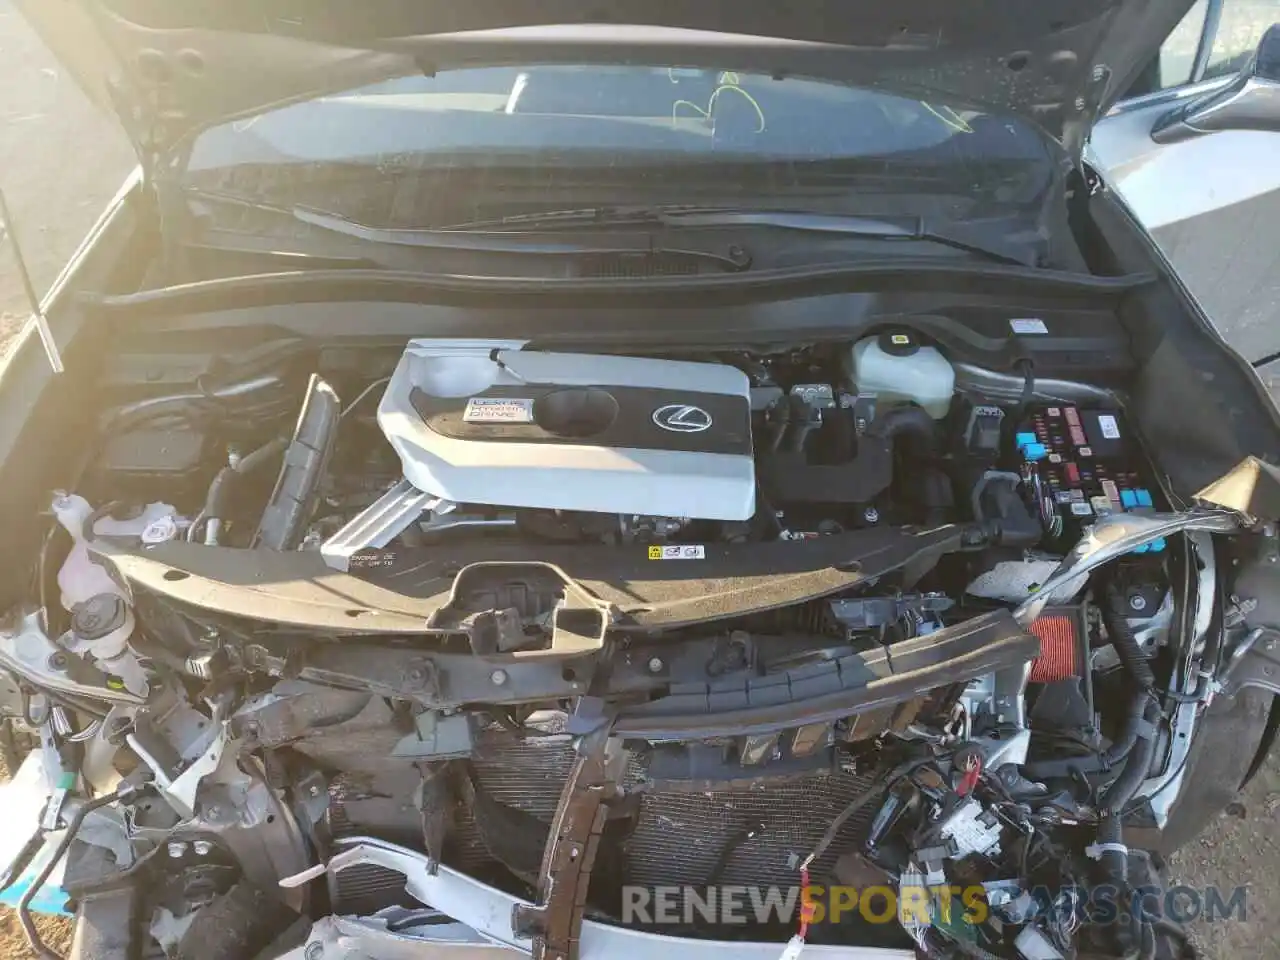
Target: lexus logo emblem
pixel 682 418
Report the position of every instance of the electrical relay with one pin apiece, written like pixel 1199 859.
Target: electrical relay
pixel 1082 464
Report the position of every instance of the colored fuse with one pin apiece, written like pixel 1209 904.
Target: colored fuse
pixel 1073 417
pixel 1128 499
pixel 1144 498
pixel 1035 451
pixel 1077 437
pixel 1157 545
pixel 1022 439
pixel 1111 490
pixel 1073 473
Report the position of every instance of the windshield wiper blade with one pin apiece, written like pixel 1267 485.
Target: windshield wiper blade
pixel 676 215
pixel 536 243
pixel 803 221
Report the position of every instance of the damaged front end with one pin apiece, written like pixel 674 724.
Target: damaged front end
pixel 420 725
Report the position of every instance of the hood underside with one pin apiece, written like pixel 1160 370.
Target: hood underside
pixel 169 70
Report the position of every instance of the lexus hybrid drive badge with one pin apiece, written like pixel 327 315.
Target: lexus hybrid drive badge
pixel 682 418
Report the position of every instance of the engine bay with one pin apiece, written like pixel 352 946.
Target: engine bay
pixel 842 613
pixel 495 441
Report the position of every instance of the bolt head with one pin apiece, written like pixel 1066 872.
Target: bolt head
pixel 177 849
pixel 871 515
pixel 314 790
pixel 202 848
pixel 1138 602
pixel 656 665
pixel 498 677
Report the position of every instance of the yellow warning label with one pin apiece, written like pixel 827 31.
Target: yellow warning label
pixel 900 339
pixel 655 553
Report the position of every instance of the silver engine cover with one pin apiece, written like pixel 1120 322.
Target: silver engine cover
pixel 485 422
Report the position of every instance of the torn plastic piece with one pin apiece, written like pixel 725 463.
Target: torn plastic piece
pixel 489 913
pixel 180 791
pixel 1252 487
pixel 1115 536
pixel 436 737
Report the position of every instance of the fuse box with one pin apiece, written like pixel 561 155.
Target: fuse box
pixel 1082 464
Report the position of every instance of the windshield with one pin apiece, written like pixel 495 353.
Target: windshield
pixel 613 113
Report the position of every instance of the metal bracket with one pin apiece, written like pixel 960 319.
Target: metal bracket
pixel 1254 663
pixel 379 523
pixel 555 922
pixel 26 650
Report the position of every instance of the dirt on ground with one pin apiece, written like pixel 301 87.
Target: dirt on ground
pixel 61 161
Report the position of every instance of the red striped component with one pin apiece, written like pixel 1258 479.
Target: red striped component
pixel 1057 660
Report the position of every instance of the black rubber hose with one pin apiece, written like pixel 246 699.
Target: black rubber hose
pixel 1114 857
pixel 1136 765
pixel 183 404
pixel 215 501
pixel 904 421
pixel 1137 719
pixel 1143 709
pixel 1138 743
pixel 97 514
pixel 1114 615
pixel 124 793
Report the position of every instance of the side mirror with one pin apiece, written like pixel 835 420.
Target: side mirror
pixel 1251 101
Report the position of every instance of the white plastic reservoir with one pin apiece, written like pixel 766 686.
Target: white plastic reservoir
pixel 895 368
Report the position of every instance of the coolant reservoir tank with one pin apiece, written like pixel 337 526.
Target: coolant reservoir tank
pixel 895 368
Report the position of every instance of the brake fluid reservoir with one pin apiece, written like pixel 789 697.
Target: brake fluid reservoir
pixel 895 368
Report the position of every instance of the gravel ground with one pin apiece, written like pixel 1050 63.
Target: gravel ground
pixel 60 161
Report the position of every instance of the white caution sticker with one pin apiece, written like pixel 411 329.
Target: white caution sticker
pixel 1032 325
pixel 1110 429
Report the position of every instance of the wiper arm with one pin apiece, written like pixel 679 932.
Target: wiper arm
pixel 676 215
pixel 535 243
pixel 803 221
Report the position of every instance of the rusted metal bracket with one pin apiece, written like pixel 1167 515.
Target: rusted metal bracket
pixel 555 922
